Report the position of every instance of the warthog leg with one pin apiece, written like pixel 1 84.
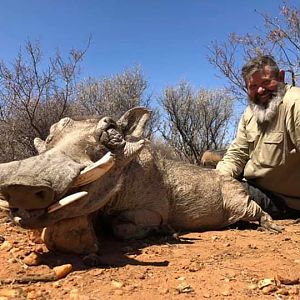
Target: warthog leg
pixel 239 206
pixel 138 223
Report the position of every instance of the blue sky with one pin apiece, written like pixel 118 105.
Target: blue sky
pixel 167 38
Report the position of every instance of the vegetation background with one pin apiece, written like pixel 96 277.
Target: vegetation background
pixel 37 91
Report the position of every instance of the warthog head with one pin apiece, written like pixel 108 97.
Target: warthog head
pixel 76 171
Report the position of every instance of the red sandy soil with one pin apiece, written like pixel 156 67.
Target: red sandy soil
pixel 236 263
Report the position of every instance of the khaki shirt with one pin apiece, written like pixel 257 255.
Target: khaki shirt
pixel 269 155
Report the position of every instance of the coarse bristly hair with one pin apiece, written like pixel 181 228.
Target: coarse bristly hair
pixel 258 63
pixel 266 114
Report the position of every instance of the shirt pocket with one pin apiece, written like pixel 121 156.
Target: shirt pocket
pixel 271 152
pixel 252 138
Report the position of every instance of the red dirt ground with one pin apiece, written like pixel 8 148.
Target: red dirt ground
pixel 236 263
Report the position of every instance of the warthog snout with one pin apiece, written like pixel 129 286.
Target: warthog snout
pixel 28 197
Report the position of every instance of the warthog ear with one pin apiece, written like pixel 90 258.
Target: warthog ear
pixel 133 122
pixel 39 145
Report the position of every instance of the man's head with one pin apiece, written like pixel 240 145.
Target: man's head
pixel 265 85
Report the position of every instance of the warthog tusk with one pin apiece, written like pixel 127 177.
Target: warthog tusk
pixel 4 205
pixel 17 220
pixel 66 201
pixel 95 171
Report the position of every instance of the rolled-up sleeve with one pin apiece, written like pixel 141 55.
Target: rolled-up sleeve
pixel 237 155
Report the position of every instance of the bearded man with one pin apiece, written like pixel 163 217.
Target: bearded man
pixel 265 152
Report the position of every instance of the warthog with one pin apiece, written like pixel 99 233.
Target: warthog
pixel 91 166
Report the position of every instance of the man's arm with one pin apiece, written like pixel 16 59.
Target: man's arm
pixel 295 124
pixel 237 155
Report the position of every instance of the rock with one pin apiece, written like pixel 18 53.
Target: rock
pixel 266 282
pixel 57 284
pixel 6 246
pixel 286 280
pixel 253 286
pixel 226 293
pixel 75 295
pixel 62 271
pixel 184 288
pixel 268 290
pixel 33 259
pixel 117 284
pixel 282 291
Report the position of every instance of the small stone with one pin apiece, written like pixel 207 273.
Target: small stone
pixel 181 278
pixel 74 294
pixel 265 282
pixel 225 293
pixel 117 284
pixel 57 284
pixel 6 246
pixel 268 290
pixel 282 291
pixel 287 281
pixel 253 286
pixel 184 288
pixel 62 271
pixel 33 259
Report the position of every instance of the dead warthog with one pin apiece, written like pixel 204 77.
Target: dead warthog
pixel 91 166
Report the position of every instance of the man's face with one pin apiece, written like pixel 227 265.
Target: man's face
pixel 262 86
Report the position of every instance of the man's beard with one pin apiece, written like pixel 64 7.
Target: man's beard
pixel 266 114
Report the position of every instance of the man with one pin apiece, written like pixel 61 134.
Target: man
pixel 265 152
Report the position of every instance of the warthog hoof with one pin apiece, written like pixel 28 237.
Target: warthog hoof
pixel 267 223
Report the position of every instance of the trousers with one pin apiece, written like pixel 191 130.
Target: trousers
pixel 271 203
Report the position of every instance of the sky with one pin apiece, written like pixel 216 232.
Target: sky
pixel 168 39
